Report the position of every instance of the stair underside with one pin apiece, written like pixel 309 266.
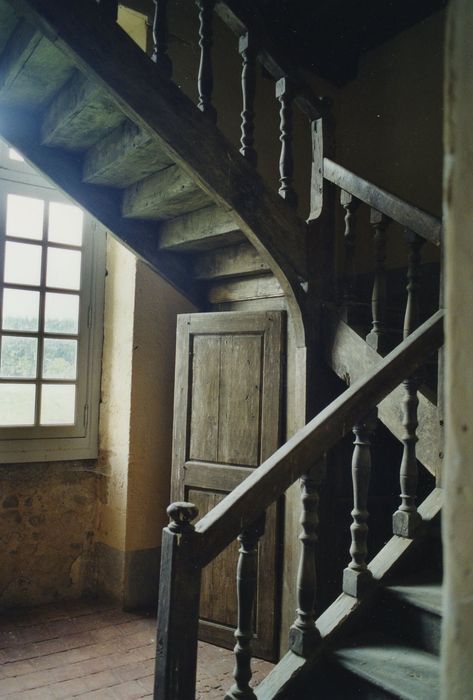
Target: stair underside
pixel 130 148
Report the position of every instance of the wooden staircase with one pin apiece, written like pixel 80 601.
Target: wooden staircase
pixel 129 147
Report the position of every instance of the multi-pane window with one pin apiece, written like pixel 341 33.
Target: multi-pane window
pixel 52 264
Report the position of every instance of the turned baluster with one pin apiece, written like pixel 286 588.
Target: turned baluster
pixel 406 519
pixel 285 95
pixel 205 79
pixel 109 9
pixel 160 37
pixel 178 607
pixel 303 635
pixel 247 572
pixel 377 337
pixel 357 577
pixel 350 204
pixel 248 85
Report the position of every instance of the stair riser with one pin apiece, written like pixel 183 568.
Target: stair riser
pixel 408 624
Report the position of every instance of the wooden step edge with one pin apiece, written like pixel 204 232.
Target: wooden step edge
pixel 423 597
pixel 407 673
pixel 128 154
pixel 240 260
pixel 278 682
pixel 205 229
pixel 19 48
pixel 234 289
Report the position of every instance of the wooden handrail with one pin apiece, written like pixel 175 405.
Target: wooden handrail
pixel 266 484
pixel 408 215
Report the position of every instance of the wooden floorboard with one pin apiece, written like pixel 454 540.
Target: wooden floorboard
pixel 90 649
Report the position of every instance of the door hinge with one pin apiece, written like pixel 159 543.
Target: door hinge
pixel 86 415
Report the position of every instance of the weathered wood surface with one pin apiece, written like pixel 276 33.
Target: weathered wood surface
pixel 21 130
pixel 261 287
pixel 226 421
pixel 234 261
pixel 406 519
pixel 310 443
pixel 149 99
pixel 277 683
pixel 351 358
pixel 356 576
pixel 164 195
pixel 80 115
pixel 8 21
pixel 123 157
pixel 178 609
pixel 204 229
pixel 303 635
pixel 405 214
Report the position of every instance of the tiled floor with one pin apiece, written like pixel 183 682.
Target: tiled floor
pixel 89 649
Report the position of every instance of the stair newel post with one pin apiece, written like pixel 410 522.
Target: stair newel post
pixel 160 37
pixel 377 337
pixel 406 519
pixel 248 54
pixel 205 79
pixel 350 204
pixel 109 9
pixel 285 95
pixel 178 607
pixel 357 577
pixel 247 572
pixel 304 635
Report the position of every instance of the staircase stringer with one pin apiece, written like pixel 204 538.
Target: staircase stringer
pixel 158 106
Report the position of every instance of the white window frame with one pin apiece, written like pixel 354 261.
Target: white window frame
pixel 68 442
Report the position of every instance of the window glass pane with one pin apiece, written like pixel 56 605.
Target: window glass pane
pixel 17 404
pixel 14 155
pixel 65 223
pixel 63 268
pixel 58 404
pixel 20 310
pixel 18 357
pixel 22 263
pixel 59 359
pixel 61 313
pixel 25 217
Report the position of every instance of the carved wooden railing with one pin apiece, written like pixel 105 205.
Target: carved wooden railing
pixel 187 548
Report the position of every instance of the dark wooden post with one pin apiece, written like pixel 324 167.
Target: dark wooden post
pixel 350 204
pixel 356 577
pixel 248 85
pixel 247 572
pixel 285 95
pixel 205 79
pixel 377 337
pixel 160 37
pixel 304 635
pixel 406 519
pixel 178 607
pixel 109 9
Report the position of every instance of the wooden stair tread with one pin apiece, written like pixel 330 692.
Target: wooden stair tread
pixel 409 674
pixel 32 69
pixel 205 229
pixel 128 154
pixel 427 596
pixel 80 115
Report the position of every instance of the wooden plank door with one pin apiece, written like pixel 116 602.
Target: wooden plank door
pixel 226 422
